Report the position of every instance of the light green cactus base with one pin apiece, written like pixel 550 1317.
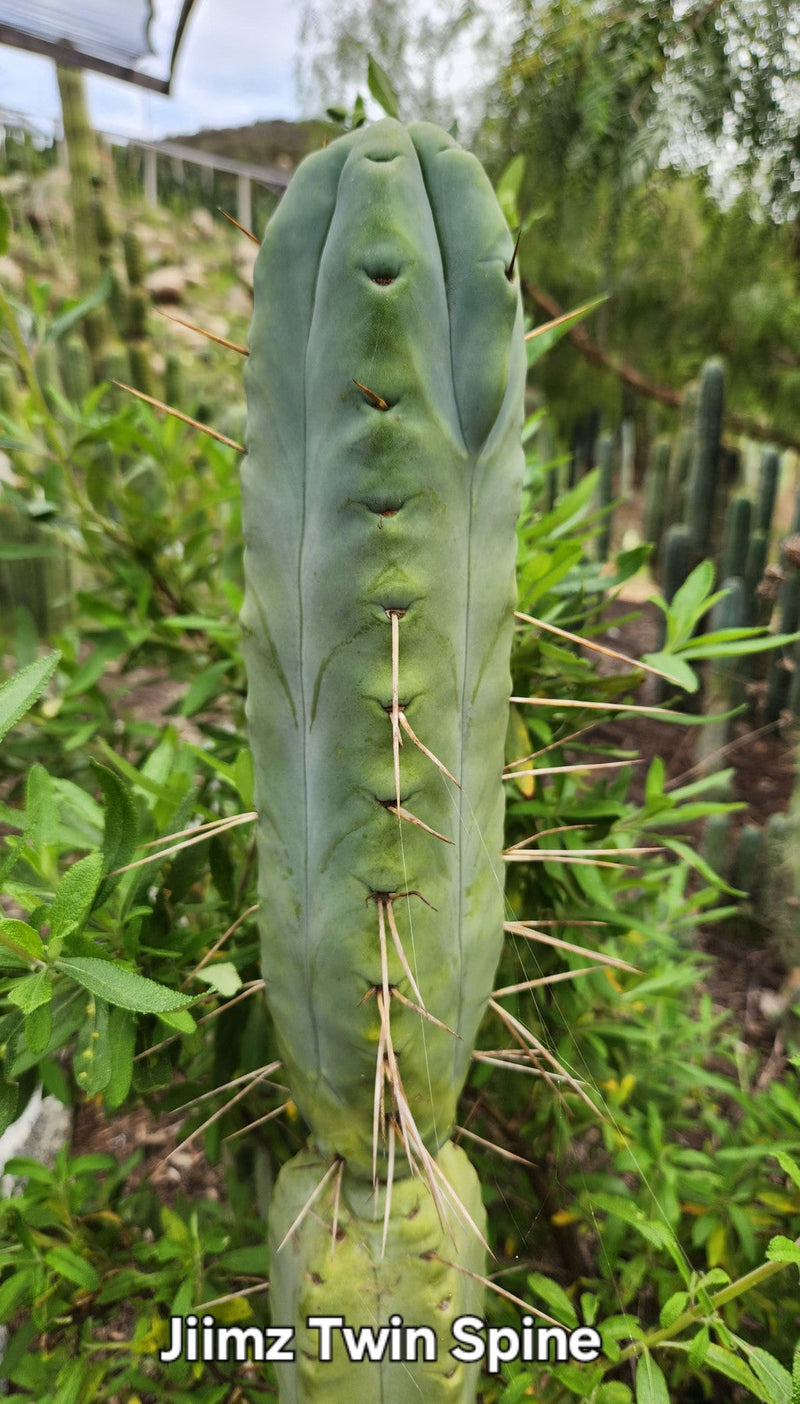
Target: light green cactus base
pixel 412 1280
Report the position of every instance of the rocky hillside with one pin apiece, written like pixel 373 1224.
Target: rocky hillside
pixel 277 143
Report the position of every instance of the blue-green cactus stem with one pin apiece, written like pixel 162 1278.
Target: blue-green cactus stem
pixel 380 541
pixel 703 498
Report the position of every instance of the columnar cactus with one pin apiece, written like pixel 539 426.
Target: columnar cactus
pixel 703 515
pixel 767 489
pixel 84 164
pixel 380 494
pixel 737 536
pixel 681 457
pixel 605 493
pixel 656 479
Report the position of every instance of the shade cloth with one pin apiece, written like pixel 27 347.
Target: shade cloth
pixel 108 38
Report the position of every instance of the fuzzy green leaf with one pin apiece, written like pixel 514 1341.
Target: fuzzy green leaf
pixel 122 1038
pixel 30 991
pixel 41 810
pixel 120 986
pixel 120 830
pixel 774 1377
pixel 730 1365
pixel 672 1308
pixel 91 1060
pixel 38 1027
pixel 19 693
pixel 783 1250
pixel 21 940
pixel 74 896
pixel 698 1350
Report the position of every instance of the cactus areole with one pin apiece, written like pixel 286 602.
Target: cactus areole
pixel 380 495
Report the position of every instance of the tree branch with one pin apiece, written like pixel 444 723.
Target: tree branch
pixel 742 424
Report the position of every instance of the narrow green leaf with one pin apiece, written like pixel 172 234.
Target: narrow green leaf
pixel 12 1291
pixel 178 1019
pixel 204 687
pixel 678 670
pixel 673 1307
pixel 381 89
pixel 243 775
pixel 690 601
pixel 11 859
pixel 555 1297
pixel 120 828
pixel 41 810
pixel 654 785
pixel 75 895
pixel 730 1365
pixel 4 226
pixel 245 1260
pixel 73 1267
pixel 541 339
pixel 73 1382
pixel 517 1389
pixel 699 648
pixel 788 1166
pixel 651 1387
pixel 698 1350
pixel 626 1210
pixel 62 324
pixel 122 1038
pixel 695 860
pixel 613 1392
pixel 120 986
pixel 91 1060
pixel 774 1377
pixel 19 693
pixel 94 666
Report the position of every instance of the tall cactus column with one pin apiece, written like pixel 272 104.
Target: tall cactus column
pixel 380 494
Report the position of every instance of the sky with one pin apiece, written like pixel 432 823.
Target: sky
pixel 255 40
